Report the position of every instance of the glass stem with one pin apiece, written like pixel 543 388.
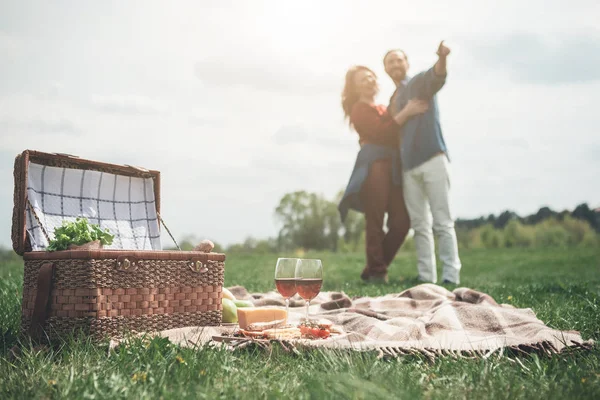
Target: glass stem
pixel 287 309
pixel 307 305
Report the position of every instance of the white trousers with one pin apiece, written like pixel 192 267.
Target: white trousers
pixel 426 193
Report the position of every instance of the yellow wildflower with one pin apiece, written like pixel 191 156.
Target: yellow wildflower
pixel 139 377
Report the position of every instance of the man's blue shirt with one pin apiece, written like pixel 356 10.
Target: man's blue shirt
pixel 421 136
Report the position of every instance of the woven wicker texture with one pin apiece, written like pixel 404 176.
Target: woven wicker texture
pixel 99 328
pixel 89 294
pixel 98 303
pixel 93 273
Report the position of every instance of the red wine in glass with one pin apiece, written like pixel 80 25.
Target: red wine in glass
pixel 308 288
pixel 286 286
pixel 285 274
pixel 309 279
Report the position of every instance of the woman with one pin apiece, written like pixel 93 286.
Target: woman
pixel 375 186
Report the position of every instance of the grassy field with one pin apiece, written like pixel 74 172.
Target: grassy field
pixel 561 286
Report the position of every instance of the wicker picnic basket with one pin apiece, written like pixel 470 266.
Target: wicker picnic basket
pixel 131 285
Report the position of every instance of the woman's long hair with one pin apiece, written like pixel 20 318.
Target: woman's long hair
pixel 350 95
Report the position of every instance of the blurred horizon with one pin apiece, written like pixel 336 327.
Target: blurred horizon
pixel 238 103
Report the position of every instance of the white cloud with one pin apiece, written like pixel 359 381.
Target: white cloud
pixel 270 75
pixel 37 126
pixel 545 59
pixel 9 45
pixel 128 105
pixel 33 119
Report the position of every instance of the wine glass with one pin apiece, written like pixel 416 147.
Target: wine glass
pixel 309 279
pixel 285 279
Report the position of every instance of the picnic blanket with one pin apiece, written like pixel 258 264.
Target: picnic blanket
pixel 426 319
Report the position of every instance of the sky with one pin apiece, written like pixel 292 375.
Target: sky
pixel 238 102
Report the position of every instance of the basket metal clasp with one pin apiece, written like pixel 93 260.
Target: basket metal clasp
pixel 198 266
pixel 126 263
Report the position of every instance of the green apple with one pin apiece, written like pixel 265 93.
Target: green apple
pixel 243 303
pixel 229 311
pixel 227 294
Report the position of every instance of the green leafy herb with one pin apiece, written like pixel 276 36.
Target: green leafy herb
pixel 78 232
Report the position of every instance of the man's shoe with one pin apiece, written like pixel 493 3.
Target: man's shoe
pixel 365 274
pixel 447 282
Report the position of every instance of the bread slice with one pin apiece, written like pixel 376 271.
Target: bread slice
pixel 282 333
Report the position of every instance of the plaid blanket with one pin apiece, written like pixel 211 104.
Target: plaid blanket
pixel 125 205
pixel 426 319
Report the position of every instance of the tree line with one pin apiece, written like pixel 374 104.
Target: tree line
pixel 582 212
pixel 310 221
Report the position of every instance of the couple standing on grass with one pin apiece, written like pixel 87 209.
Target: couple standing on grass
pixel 401 168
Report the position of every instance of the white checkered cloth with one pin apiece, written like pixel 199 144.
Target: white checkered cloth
pixel 125 205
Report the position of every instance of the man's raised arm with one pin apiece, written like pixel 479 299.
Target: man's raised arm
pixel 440 66
pixel 428 83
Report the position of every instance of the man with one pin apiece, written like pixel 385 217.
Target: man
pixel 425 166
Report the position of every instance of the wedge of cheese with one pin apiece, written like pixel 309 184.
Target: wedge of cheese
pixel 251 315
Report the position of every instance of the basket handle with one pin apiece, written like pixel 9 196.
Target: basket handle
pixel 42 297
pixel 168 231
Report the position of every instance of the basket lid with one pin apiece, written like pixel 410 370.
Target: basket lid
pixel 52 187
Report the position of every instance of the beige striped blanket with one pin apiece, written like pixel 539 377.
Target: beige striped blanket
pixel 427 319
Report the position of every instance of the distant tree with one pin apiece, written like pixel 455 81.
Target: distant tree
pixel 309 221
pixel 542 214
pixel 266 246
pixel 252 245
pixel 584 212
pixel 354 226
pixel 188 243
pixel 504 219
pixel 472 223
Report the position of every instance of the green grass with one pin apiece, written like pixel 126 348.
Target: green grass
pixel 561 286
